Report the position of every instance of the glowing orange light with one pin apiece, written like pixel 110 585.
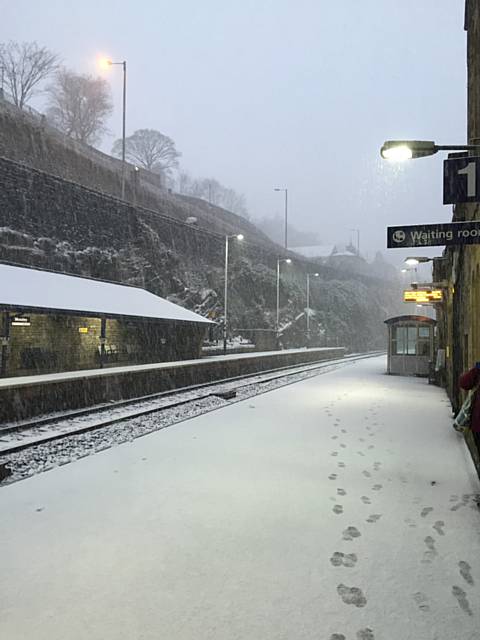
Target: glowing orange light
pixel 423 296
pixel 104 63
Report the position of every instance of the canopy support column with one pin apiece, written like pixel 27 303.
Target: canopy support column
pixel 103 339
pixel 4 340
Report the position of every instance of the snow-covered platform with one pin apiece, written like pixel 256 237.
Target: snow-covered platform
pixel 27 396
pixel 344 504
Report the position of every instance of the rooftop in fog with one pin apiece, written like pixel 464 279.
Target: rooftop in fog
pixel 315 251
pixel 37 290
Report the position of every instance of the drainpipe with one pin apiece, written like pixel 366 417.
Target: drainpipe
pixel 4 340
pixel 103 339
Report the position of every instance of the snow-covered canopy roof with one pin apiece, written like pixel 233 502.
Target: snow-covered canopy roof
pixel 411 318
pixel 316 251
pixel 41 291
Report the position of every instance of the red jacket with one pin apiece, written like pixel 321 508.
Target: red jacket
pixel 467 381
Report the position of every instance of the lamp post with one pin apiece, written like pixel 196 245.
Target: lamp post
pixel 124 116
pixel 279 260
pixel 238 236
pixel 407 149
pixel 286 213
pixel 309 275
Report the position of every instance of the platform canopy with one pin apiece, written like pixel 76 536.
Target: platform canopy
pixel 410 318
pixel 38 291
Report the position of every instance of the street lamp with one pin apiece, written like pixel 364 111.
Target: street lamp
pixel 279 260
pixel 286 212
pixel 309 275
pixel 109 63
pixel 416 260
pixel 400 150
pixel 238 236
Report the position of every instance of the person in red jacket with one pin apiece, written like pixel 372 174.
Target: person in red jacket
pixel 469 380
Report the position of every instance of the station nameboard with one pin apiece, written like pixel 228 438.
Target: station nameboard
pixel 431 235
pixel 423 295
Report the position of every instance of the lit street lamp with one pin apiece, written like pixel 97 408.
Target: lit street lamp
pixel 238 236
pixel 109 63
pixel 309 275
pixel 416 260
pixel 286 213
pixel 279 260
pixel 407 149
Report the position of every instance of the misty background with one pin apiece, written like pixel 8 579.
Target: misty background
pixel 279 93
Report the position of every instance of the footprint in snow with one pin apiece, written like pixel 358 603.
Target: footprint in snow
pixel 465 572
pixel 350 533
pixel 374 517
pixel 422 601
pixel 461 596
pixel 344 559
pixel 338 509
pixel 438 526
pixel 365 634
pixel 351 595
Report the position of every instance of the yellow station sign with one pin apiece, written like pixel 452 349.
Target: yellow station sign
pixel 423 295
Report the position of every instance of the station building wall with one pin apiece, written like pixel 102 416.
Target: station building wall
pixel 52 343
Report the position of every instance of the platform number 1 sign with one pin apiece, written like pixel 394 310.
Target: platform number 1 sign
pixel 460 180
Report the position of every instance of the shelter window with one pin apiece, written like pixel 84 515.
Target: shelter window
pixel 405 341
pixel 423 341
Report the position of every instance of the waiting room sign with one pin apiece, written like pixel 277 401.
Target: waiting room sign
pixel 431 235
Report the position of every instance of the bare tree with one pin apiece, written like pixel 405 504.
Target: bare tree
pixel 79 105
pixel 235 202
pixel 215 193
pixel 150 149
pixel 25 65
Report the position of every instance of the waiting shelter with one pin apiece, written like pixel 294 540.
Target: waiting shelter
pixel 52 322
pixel 411 345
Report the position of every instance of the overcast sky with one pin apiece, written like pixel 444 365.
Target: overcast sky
pixel 295 93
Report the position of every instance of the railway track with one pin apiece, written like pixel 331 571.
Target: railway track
pixel 18 437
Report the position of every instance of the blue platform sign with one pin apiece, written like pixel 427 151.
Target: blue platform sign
pixel 461 180
pixel 431 235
